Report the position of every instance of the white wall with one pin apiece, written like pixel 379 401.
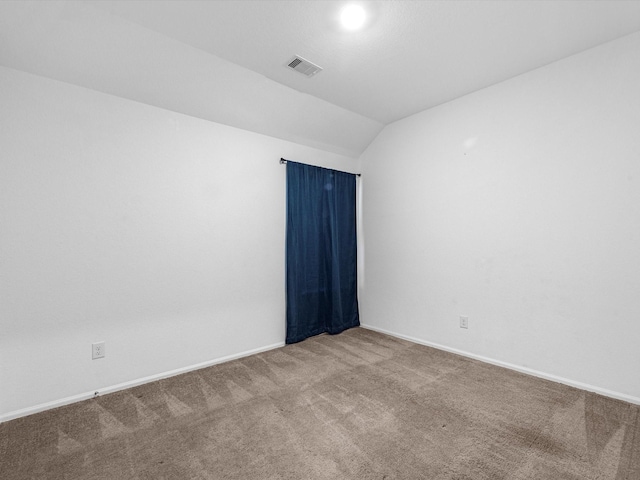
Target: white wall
pixel 519 206
pixel 159 233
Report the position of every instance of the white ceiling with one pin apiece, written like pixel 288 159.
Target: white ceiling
pixel 225 60
pixel 413 54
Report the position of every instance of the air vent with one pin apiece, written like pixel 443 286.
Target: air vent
pixel 303 66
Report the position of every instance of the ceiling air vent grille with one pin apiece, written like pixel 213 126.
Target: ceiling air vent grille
pixel 303 66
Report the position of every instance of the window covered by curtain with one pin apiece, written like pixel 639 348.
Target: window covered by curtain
pixel 321 251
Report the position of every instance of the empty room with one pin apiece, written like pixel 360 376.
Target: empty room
pixel 320 240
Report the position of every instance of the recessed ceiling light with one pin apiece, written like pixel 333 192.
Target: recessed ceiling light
pixel 353 17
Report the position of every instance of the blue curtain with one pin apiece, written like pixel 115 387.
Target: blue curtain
pixel 321 251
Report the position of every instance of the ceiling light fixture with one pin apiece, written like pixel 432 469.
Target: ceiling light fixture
pixel 353 17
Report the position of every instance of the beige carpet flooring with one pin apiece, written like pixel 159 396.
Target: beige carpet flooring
pixel 359 405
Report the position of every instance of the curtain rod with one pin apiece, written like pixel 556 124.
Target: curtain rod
pixel 284 160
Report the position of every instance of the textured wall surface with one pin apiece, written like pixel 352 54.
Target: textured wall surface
pixel 519 206
pixel 158 233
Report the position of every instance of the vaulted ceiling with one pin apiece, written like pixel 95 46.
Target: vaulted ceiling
pixel 225 61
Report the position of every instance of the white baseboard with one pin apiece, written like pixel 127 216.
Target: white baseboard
pixel 133 383
pixel 529 371
pixel 140 381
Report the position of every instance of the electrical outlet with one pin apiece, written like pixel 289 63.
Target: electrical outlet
pixel 464 321
pixel 97 350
